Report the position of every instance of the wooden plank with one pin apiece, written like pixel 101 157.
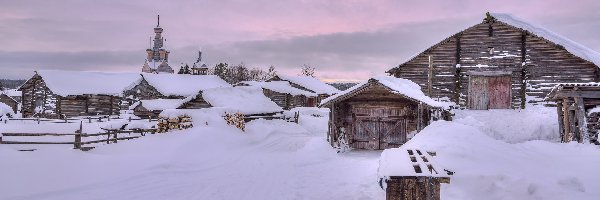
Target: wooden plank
pixel 430 76
pixel 581 121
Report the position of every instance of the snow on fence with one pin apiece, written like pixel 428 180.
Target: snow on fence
pixel 411 174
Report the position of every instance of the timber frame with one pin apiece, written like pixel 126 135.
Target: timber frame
pixel 577 119
pixel 534 63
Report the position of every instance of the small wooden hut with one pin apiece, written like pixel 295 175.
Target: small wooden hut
pixel 283 94
pixel 57 94
pixel 247 100
pixel 152 108
pixel 9 101
pixel 172 86
pixel 380 113
pixel 578 107
pixel 310 84
pixel 501 63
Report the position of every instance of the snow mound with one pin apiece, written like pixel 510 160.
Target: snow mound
pixel 491 169
pixel 311 83
pixel 513 126
pixel 65 83
pixel 183 84
pixel 280 86
pixel 245 99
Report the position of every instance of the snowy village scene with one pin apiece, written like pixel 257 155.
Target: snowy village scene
pixel 316 100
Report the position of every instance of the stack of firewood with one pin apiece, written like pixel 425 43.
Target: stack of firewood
pixel 236 119
pixel 176 123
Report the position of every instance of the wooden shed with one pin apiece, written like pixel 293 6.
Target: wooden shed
pixel 578 108
pixel 152 108
pixel 57 94
pixel 247 100
pixel 503 62
pixel 172 86
pixel 9 101
pixel 310 84
pixel 283 94
pixel 380 113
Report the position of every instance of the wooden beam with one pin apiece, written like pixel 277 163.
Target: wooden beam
pixel 430 77
pixel 575 94
pixel 523 69
pixel 581 121
pixel 561 126
pixel 567 123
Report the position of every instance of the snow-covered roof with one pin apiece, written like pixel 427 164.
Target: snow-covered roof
pixel 5 109
pixel 65 83
pixel 280 86
pixel 311 83
pixel 11 93
pixel 183 84
pixel 247 100
pixel 551 95
pixel 159 104
pixel 570 45
pixel 399 86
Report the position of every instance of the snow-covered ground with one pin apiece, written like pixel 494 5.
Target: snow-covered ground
pixel 275 159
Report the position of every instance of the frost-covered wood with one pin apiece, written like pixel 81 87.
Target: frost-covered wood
pixel 535 60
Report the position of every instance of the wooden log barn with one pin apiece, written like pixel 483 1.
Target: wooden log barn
pixel 310 84
pixel 247 100
pixel 283 94
pixel 578 108
pixel 146 109
pixel 501 63
pixel 172 86
pixel 380 113
pixel 9 101
pixel 59 94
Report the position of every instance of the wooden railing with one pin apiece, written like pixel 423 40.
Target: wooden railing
pixel 75 120
pixel 112 136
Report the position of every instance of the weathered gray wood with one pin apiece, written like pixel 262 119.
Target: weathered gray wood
pixel 581 121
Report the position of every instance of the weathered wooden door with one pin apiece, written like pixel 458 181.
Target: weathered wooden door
pixel 478 93
pixel 499 88
pixel 489 92
pixel 366 134
pixel 393 133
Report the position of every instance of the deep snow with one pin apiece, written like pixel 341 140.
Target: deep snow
pixel 283 160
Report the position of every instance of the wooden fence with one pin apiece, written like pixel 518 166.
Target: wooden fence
pixel 75 120
pixel 78 142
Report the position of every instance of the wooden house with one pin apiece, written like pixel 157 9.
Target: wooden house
pixel 502 62
pixel 310 84
pixel 58 94
pixel 247 100
pixel 578 108
pixel 283 94
pixel 9 101
pixel 380 113
pixel 172 86
pixel 152 108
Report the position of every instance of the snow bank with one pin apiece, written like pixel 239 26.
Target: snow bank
pixel 6 110
pixel 160 104
pixel 311 83
pixel 64 83
pixel 513 126
pixel 183 84
pixel 491 169
pixel 280 86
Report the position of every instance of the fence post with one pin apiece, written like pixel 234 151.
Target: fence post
pixel 129 118
pixel 38 120
pixel 90 120
pixel 77 143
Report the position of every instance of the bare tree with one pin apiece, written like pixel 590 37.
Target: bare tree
pixel 307 70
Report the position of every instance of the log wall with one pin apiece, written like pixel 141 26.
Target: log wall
pixel 196 103
pixel 535 63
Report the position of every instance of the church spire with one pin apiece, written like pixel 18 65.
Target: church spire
pixel 158 21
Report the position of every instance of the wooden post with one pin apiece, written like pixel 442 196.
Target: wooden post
pixel 129 118
pixel 457 76
pixel 566 121
pixel 581 121
pixel 523 70
pixel 419 117
pixel 430 77
pixel 77 143
pixel 561 126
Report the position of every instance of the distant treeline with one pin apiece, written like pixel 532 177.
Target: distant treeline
pixel 342 86
pixel 10 84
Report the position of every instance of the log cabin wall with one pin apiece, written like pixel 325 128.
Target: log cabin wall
pixel 281 99
pixel 196 103
pixel 35 94
pixel 144 91
pixel 536 64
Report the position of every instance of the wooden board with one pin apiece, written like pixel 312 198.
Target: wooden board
pixel 499 88
pixel 478 95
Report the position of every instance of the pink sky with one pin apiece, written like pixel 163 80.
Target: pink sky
pixel 344 40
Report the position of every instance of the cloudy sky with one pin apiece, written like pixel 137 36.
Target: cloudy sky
pixel 344 40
